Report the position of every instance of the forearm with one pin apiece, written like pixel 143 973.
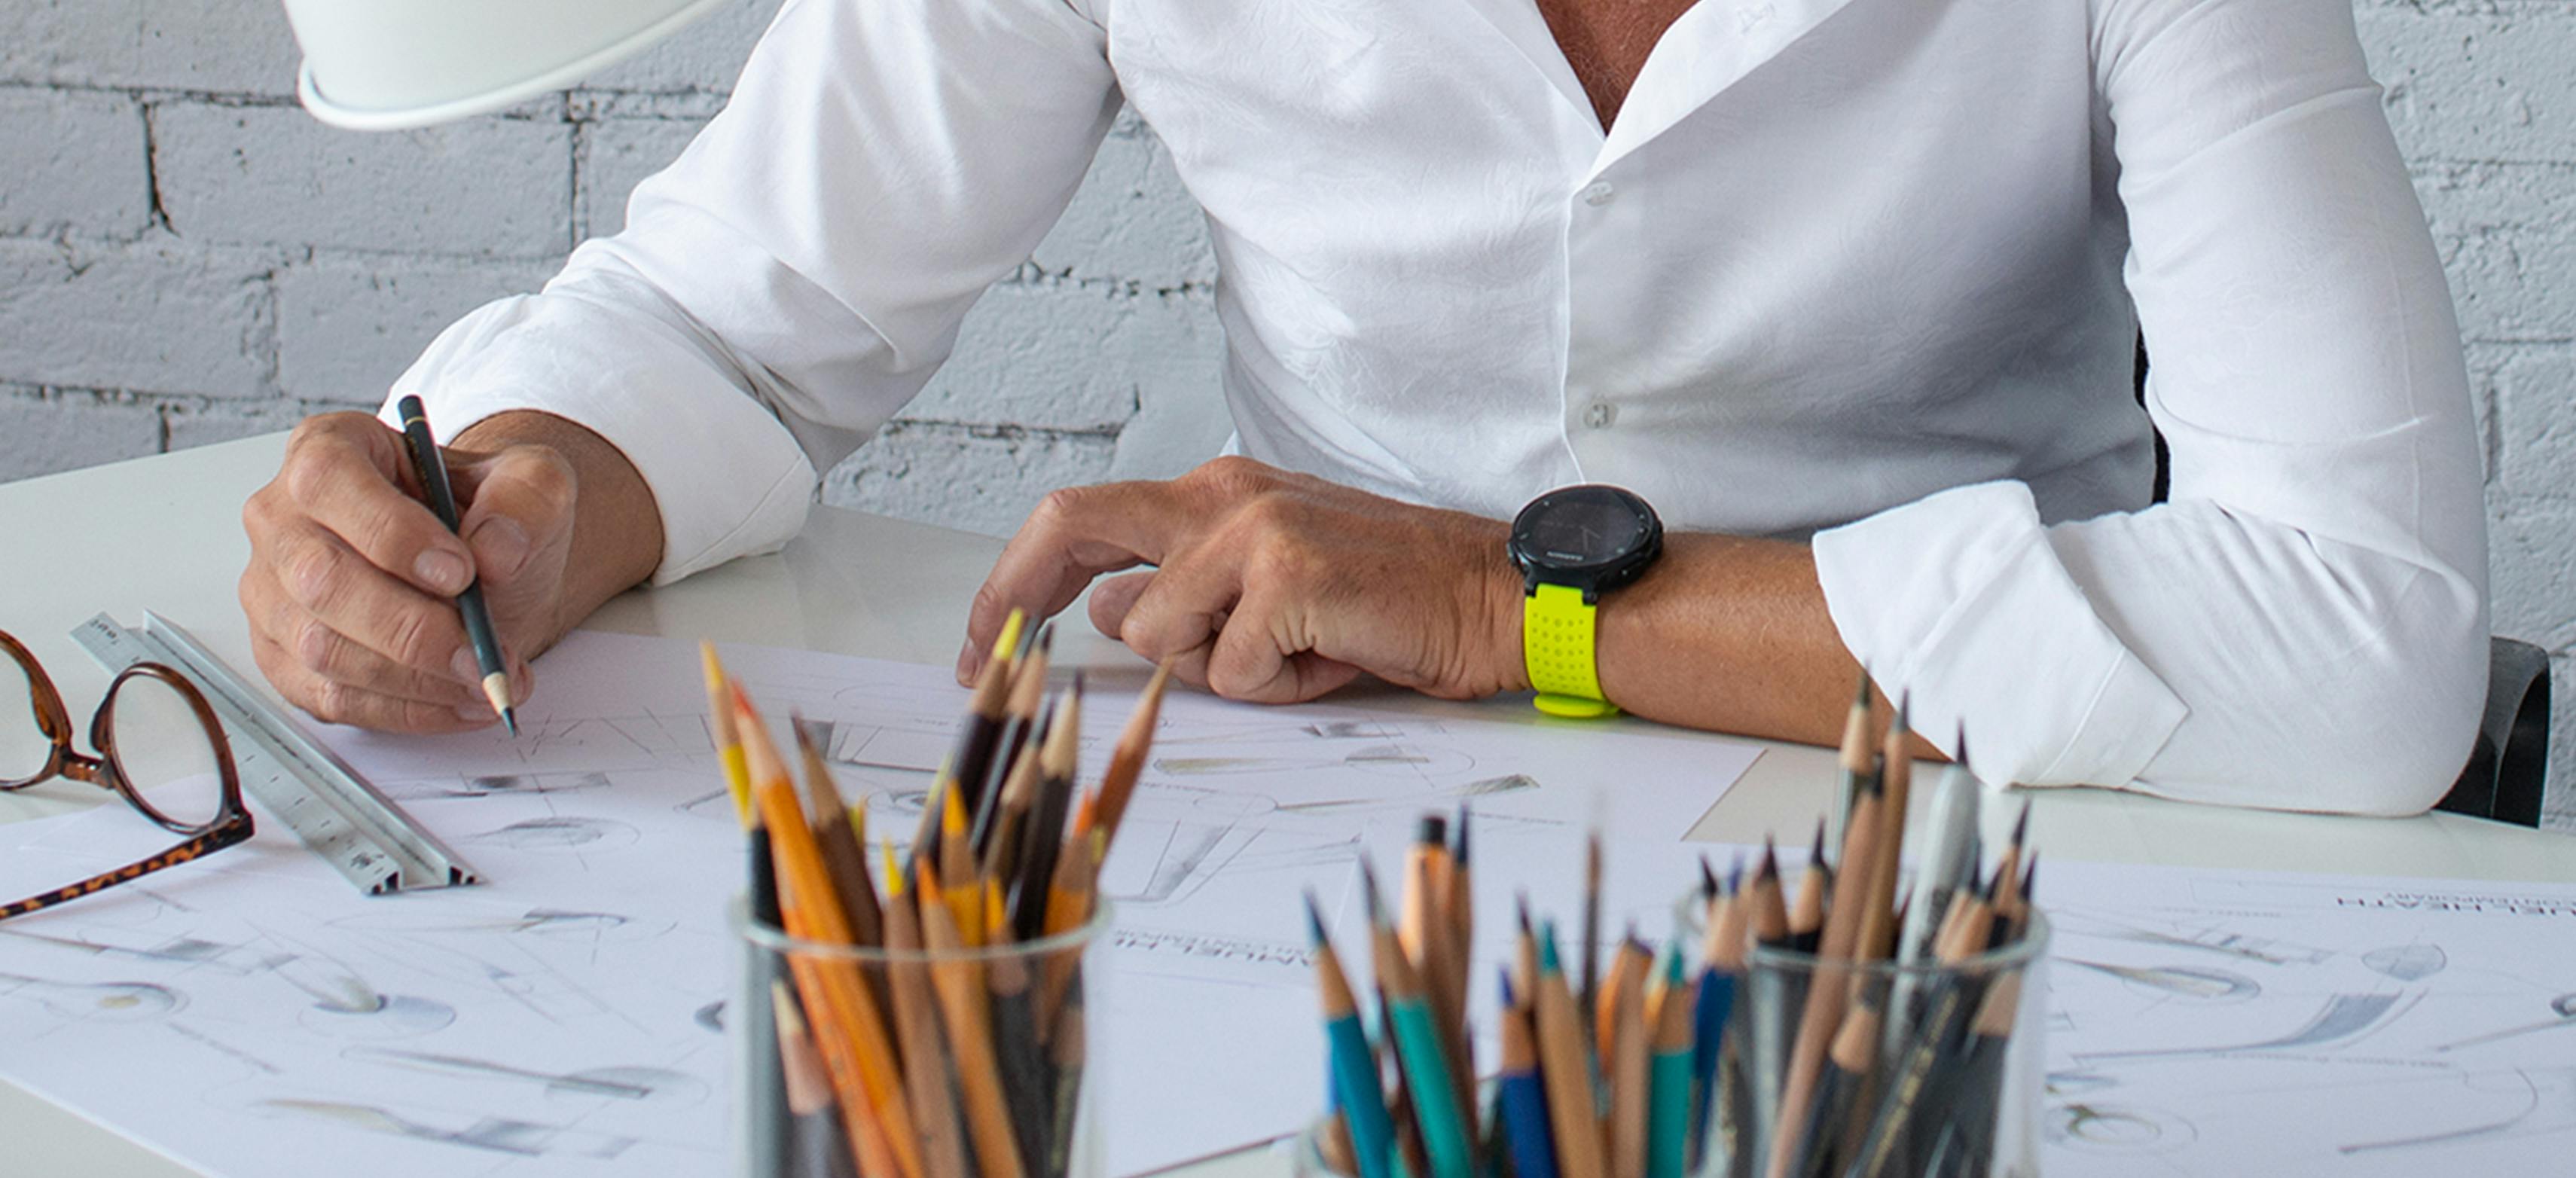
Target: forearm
pixel 1731 635
pixel 617 527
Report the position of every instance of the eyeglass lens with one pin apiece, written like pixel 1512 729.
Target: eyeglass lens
pixel 158 741
pixel 24 748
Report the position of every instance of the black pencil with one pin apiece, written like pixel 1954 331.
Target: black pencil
pixel 469 602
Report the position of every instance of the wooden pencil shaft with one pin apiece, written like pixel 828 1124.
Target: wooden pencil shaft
pixel 1567 1073
pixel 963 1007
pixel 852 1035
pixel 1006 839
pixel 1043 850
pixel 925 1054
pixel 1021 740
pixel 1827 990
pixel 1626 1059
pixel 1028 1080
pixel 1127 760
pixel 1589 950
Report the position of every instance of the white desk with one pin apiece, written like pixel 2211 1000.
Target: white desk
pixel 165 534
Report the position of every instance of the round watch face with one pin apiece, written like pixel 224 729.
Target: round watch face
pixel 1583 531
pixel 1590 535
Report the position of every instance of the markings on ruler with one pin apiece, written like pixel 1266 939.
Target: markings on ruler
pixel 338 813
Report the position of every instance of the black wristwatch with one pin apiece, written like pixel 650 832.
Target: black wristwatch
pixel 1572 545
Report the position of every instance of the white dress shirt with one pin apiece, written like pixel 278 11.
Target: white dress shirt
pixel 1863 270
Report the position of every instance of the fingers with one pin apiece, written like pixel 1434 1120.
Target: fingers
pixel 339 702
pixel 1075 534
pixel 323 582
pixel 343 472
pixel 1113 598
pixel 1261 654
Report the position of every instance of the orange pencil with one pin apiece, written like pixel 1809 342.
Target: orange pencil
pixel 849 1030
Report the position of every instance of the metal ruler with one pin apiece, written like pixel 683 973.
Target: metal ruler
pixel 320 797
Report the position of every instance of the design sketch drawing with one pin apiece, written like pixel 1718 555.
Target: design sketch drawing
pixel 572 1008
pixel 2237 1021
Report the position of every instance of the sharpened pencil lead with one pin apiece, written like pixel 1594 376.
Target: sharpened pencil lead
pixel 1707 880
pixel 1770 857
pixel 1459 852
pixel 1314 920
pixel 1961 757
pixel 1548 962
pixel 510 717
pixel 1520 913
pixel 1860 699
pixel 1368 892
pixel 1816 853
pixel 1508 1000
pixel 2021 825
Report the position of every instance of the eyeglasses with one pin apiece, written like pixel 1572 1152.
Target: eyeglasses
pixel 160 748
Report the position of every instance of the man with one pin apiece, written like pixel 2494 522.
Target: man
pixel 1847 290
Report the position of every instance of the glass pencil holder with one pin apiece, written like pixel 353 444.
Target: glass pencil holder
pixel 1882 1069
pixel 858 1062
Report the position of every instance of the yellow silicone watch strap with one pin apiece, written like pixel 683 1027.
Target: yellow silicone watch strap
pixel 1556 645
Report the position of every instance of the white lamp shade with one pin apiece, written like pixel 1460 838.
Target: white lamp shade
pixel 385 65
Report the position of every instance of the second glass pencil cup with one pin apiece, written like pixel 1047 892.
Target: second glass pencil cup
pixel 922 1056
pixel 1932 1067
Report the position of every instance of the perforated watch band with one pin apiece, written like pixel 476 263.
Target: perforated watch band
pixel 1556 645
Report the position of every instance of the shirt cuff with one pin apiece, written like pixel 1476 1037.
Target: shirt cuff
pixel 1959 602
pixel 726 476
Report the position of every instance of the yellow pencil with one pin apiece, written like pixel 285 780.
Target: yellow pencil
pixel 728 740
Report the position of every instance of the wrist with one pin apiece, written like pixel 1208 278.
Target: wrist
pixel 1506 598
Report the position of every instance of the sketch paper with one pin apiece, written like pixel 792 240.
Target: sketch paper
pixel 2209 1022
pixel 567 1016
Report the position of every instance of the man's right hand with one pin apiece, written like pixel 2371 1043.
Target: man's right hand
pixel 351 585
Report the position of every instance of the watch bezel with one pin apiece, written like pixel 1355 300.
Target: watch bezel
pixel 1593 577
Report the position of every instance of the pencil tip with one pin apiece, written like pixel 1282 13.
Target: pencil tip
pixel 1904 709
pixel 1459 852
pixel 1368 894
pixel 1432 831
pixel 1960 758
pixel 1707 879
pixel 1816 853
pixel 1520 911
pixel 2021 825
pixel 510 717
pixel 1860 700
pixel 1314 920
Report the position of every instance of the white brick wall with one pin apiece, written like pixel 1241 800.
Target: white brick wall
pixel 186 257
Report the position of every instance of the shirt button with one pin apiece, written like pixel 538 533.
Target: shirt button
pixel 1599 193
pixel 1599 414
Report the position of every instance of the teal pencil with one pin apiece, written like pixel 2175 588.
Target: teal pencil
pixel 1417 1048
pixel 1354 1069
pixel 1670 1082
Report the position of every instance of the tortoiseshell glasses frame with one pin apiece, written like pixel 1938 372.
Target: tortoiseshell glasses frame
pixel 231 822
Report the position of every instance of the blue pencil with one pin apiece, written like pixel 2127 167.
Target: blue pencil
pixel 1523 1095
pixel 1354 1068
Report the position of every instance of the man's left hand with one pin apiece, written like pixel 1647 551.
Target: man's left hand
pixel 1269 586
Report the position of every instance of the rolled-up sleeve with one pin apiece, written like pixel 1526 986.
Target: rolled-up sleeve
pixel 2302 625
pixel 799 273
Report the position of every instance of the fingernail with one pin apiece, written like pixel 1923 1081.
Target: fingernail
pixel 466 668
pixel 503 546
pixel 478 713
pixel 441 570
pixel 966 661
